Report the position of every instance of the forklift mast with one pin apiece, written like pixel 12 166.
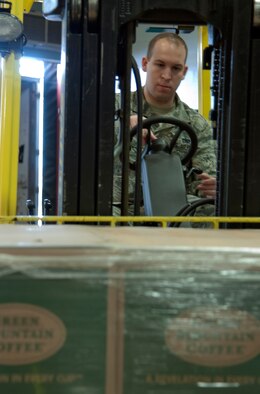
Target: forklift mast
pixel 97 49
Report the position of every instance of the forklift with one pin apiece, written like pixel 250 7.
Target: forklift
pixel 97 39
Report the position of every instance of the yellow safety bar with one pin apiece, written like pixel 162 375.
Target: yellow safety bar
pixel 10 97
pixel 114 220
pixel 204 75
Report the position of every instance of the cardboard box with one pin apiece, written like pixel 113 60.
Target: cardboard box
pixel 53 311
pixel 87 309
pixel 191 326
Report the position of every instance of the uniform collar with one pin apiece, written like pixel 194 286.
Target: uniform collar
pixel 148 109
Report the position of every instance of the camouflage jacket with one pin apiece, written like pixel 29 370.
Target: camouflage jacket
pixel 204 158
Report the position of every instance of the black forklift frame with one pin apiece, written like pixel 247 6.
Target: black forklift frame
pixel 97 41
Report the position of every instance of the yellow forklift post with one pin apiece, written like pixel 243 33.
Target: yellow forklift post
pixel 204 75
pixel 10 96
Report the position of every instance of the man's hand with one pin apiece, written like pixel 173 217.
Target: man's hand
pixel 207 185
pixel 133 123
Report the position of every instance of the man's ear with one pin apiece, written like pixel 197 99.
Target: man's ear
pixel 144 63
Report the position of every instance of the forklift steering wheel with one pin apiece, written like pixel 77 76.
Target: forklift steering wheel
pixel 147 123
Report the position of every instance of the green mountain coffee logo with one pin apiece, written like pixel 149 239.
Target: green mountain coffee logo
pixel 28 334
pixel 214 337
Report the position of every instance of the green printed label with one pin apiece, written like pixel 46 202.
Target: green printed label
pixel 53 334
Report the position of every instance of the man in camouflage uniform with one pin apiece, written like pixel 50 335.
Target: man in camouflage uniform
pixel 165 65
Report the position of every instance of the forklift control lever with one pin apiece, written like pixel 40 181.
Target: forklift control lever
pixel 194 170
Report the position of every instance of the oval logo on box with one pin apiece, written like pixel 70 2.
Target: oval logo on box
pixel 28 334
pixel 214 337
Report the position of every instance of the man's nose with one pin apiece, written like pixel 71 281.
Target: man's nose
pixel 167 73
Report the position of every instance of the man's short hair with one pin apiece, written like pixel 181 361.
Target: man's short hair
pixel 171 37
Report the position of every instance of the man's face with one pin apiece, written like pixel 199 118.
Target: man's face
pixel 165 70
